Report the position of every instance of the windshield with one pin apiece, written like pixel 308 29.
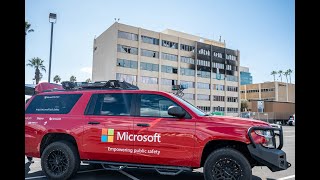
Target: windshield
pixel 190 106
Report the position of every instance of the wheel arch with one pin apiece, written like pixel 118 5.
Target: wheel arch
pixel 54 137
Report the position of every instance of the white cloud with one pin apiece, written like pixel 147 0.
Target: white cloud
pixel 86 70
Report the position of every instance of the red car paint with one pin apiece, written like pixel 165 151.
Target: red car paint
pixel 182 140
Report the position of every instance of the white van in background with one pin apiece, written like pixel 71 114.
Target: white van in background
pixel 28 91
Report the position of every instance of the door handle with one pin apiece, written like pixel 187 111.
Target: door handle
pixel 93 122
pixel 143 125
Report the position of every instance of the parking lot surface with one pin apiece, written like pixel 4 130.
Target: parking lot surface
pixel 86 172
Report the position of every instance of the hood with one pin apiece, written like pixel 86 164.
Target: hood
pixel 237 121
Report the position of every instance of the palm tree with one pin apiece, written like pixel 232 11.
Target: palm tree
pixel 57 78
pixel 73 78
pixel 88 80
pixel 37 64
pixel 289 73
pixel 286 74
pixel 280 72
pixel 274 73
pixel 27 28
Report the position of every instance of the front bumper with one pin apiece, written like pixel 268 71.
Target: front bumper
pixel 273 158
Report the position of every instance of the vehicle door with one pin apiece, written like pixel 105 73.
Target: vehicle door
pixel 106 115
pixel 160 138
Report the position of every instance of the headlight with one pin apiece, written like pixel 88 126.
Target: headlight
pixel 268 138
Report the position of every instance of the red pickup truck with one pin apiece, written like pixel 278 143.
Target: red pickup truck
pixel 115 125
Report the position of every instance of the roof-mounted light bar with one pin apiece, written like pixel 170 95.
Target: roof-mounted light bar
pixel 111 84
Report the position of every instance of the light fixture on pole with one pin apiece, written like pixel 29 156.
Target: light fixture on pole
pixel 52 20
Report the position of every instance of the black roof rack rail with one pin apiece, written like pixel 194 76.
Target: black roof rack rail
pixel 111 84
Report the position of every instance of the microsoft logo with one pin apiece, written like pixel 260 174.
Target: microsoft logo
pixel 107 135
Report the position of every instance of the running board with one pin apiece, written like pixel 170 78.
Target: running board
pixel 163 170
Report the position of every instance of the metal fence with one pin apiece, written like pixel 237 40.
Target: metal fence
pixel 271 117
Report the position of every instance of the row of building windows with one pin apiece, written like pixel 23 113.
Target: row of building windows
pixel 170 57
pixel 218 65
pixel 204 108
pixel 186 47
pixel 203 74
pixel 204 52
pixel 127 49
pixel 203 62
pixel 267 90
pixel 149 53
pixel 218 87
pixel 169 69
pixel 253 91
pixel 126 35
pixel 187 72
pixel 217 98
pixel 127 63
pixel 232 99
pixel 149 80
pixel 232 110
pixel 232 88
pixel 188 60
pixel 150 40
pixel 126 77
pixel 216 54
pixel 231 57
pixel 203 97
pixel 188 96
pixel 219 108
pixel 169 44
pixel 203 85
pixel 189 84
pixel 149 66
pixel 242 91
pixel 168 81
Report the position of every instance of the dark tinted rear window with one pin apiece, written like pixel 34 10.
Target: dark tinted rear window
pixel 52 104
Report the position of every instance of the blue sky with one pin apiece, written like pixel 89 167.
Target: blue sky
pixel 263 31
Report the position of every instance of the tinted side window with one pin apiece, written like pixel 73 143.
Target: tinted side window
pixel 155 105
pixel 113 104
pixel 52 104
pixel 28 91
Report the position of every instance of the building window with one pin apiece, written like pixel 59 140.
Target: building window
pixel 187 72
pixel 232 99
pixel 149 53
pixel 189 84
pixel 150 40
pixel 126 35
pixel 232 78
pixel 221 109
pixel 169 69
pixel 204 52
pixel 216 54
pixel 127 49
pixel 231 57
pixel 170 57
pixel 203 63
pixel 203 74
pixel 217 98
pixel 203 85
pixel 253 91
pixel 149 66
pixel 205 109
pixel 188 96
pixel 169 82
pixel 232 88
pixel 188 60
pixel 218 87
pixel 186 47
pixel 232 110
pixel 242 91
pixel 218 65
pixel 169 44
pixel 127 63
pixel 203 97
pixel 267 90
pixel 126 77
pixel 149 80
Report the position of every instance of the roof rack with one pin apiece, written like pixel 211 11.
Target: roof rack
pixel 111 84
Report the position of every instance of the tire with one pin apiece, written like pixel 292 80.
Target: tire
pixel 64 153
pixel 290 123
pixel 218 163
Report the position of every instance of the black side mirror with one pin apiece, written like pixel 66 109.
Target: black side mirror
pixel 176 111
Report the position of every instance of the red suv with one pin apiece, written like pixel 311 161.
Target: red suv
pixel 115 125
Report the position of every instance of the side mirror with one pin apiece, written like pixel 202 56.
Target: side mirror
pixel 176 111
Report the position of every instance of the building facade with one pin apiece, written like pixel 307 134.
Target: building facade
pixel 245 76
pixel 269 91
pixel 158 60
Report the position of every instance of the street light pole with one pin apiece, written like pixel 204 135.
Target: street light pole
pixel 52 20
